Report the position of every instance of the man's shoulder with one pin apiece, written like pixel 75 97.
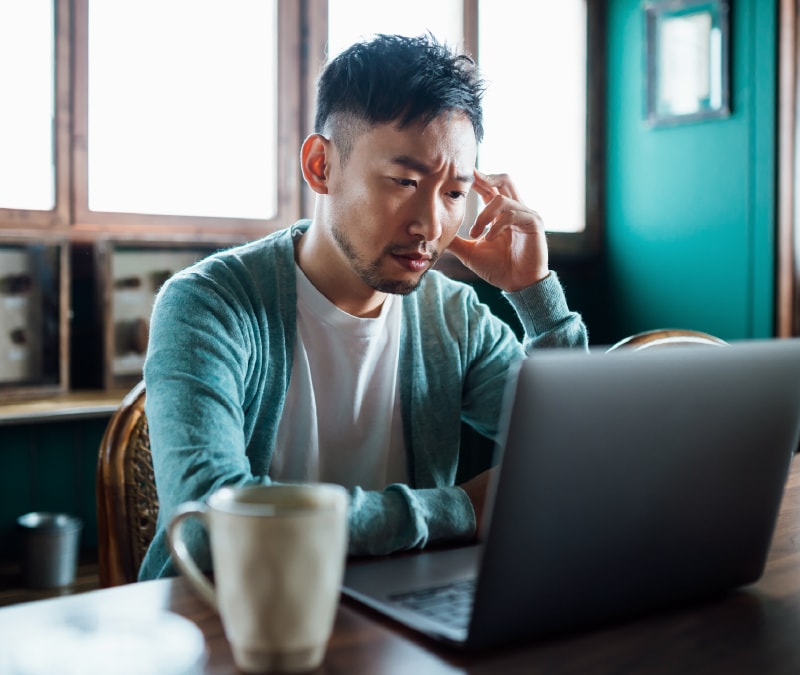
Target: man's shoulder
pixel 274 243
pixel 248 274
pixel 280 240
pixel 273 253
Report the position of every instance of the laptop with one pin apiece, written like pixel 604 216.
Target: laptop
pixel 628 482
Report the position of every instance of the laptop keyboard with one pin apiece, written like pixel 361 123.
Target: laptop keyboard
pixel 450 604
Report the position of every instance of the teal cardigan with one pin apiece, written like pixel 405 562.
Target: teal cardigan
pixel 218 366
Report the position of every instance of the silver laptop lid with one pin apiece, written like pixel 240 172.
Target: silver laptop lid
pixel 631 481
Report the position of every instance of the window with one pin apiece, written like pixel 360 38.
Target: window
pixel 184 108
pixel 35 115
pixel 179 120
pixel 535 103
pixel 27 171
pixel 537 98
pixel 352 20
pixel 150 119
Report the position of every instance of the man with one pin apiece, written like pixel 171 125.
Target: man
pixel 329 351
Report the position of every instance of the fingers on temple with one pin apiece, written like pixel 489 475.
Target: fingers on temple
pixel 504 213
pixel 497 183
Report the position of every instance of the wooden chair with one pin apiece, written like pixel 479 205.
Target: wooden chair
pixel 127 502
pixel 664 337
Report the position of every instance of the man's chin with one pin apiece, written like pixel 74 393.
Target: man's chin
pixel 398 286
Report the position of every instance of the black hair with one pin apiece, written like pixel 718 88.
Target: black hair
pixel 395 78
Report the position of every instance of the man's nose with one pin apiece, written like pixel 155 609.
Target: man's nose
pixel 427 218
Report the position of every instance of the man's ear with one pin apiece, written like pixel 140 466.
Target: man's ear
pixel 315 158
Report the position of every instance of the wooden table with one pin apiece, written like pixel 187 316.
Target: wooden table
pixel 753 630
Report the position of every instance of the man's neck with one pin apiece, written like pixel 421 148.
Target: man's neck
pixel 344 289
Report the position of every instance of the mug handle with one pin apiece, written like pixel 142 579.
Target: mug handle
pixel 180 551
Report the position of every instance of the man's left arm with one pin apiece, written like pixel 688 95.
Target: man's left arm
pixel 509 251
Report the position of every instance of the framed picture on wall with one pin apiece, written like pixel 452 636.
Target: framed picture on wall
pixel 686 61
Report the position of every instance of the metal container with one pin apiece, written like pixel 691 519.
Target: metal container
pixel 49 548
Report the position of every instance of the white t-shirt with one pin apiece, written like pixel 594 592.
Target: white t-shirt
pixel 341 422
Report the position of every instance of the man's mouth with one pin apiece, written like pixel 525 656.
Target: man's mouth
pixel 414 261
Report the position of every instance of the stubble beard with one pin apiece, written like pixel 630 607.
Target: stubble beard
pixel 369 272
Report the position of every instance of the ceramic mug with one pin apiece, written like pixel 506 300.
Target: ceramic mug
pixel 278 554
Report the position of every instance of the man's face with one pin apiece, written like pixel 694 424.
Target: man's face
pixel 398 200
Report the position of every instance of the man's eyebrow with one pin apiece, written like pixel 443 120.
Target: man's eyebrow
pixel 421 167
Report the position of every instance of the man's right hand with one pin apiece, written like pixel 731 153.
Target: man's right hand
pixel 512 253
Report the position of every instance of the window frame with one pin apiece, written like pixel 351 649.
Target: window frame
pixel 302 27
pixel 589 242
pixel 192 227
pixel 71 214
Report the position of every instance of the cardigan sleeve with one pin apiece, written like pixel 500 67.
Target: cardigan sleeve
pixel 401 518
pixel 196 371
pixel 546 319
pixel 547 323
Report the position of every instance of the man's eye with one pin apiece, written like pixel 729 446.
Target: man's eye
pixel 455 194
pixel 405 182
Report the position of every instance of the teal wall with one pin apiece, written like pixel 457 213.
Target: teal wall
pixel 48 466
pixel 691 209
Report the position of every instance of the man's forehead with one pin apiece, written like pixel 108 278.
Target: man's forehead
pixel 426 147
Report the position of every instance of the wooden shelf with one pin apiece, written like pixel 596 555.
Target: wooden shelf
pixel 70 406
